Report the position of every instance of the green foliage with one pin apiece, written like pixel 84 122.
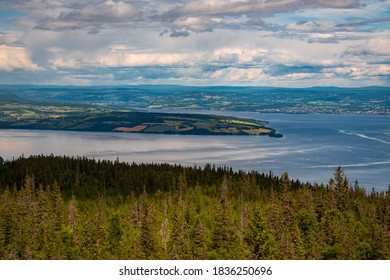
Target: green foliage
pixel 225 239
pixel 76 208
pixel 259 238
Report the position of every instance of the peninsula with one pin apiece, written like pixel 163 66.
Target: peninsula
pixel 81 117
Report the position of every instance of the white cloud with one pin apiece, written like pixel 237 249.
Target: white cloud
pixel 238 74
pixel 256 42
pixel 299 76
pixel 382 70
pixel 121 56
pixel 380 45
pixel 16 58
pixel 196 24
pixel 241 55
pixel 362 71
pixel 138 59
pixel 372 50
pixel 7 38
pixel 62 63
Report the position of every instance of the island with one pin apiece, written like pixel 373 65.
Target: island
pixel 82 117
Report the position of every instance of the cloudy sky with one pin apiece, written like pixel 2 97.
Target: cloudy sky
pixel 289 43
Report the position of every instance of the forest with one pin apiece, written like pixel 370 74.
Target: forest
pixel 78 208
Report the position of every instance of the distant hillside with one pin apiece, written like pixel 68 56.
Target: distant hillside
pixel 334 100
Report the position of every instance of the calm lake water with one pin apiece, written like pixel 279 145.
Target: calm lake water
pixel 312 147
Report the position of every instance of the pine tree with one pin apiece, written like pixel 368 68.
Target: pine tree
pixel 179 246
pixel 148 246
pixel 200 243
pixel 165 233
pixel 26 234
pixel 70 249
pixel 259 238
pixel 225 239
pixel 115 235
pixel 7 223
pixel 341 187
pixel 285 182
pixel 91 235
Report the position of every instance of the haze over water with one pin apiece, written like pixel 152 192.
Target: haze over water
pixel 312 147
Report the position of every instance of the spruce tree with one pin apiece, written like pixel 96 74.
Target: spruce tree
pixel 225 238
pixel 259 238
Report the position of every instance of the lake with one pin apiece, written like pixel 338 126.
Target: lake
pixel 312 147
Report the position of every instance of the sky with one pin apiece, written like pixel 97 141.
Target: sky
pixel 286 43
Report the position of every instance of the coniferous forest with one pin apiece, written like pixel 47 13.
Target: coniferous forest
pixel 78 208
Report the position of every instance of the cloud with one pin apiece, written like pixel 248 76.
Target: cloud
pixel 239 74
pixel 8 38
pixel 108 11
pixel 379 45
pixel 258 42
pixel 180 17
pixel 225 64
pixel 206 15
pixel 194 23
pixel 180 33
pixel 368 60
pixel 372 51
pixel 252 7
pixel 120 56
pixel 248 56
pixel 91 16
pixel 16 58
pixel 355 24
pixel 300 76
pixel 62 63
pixel 138 59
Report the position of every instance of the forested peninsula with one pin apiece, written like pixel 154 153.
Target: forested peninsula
pixel 78 208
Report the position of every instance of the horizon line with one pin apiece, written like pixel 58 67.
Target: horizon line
pixel 190 86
